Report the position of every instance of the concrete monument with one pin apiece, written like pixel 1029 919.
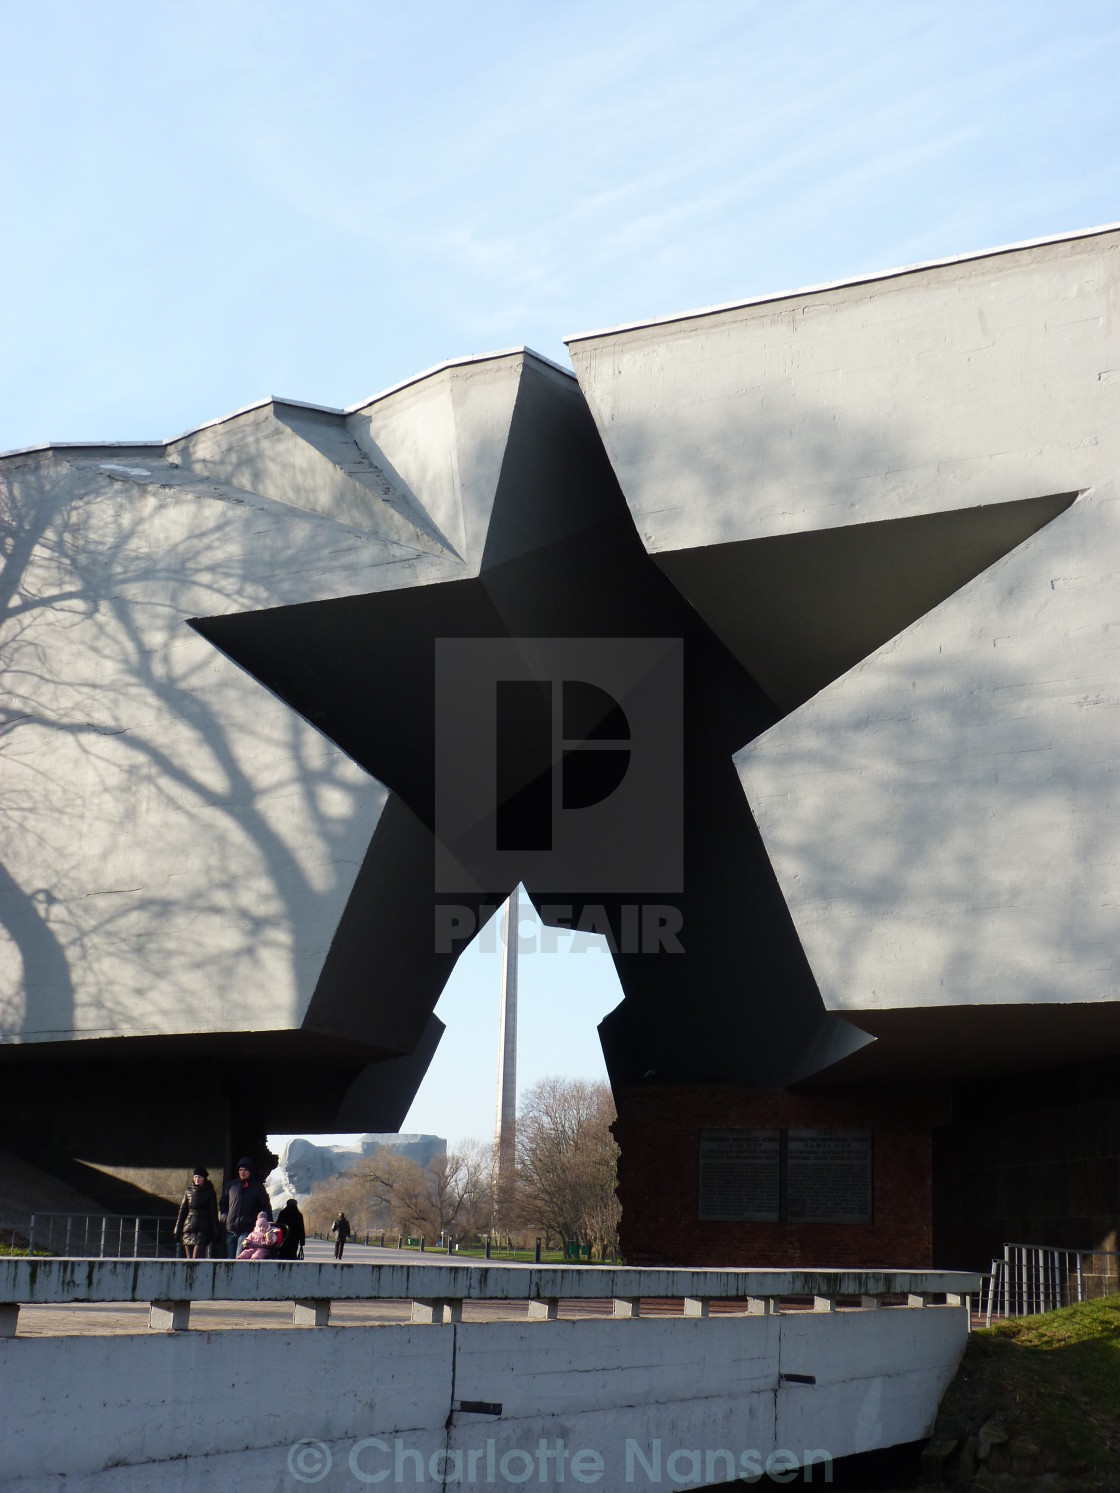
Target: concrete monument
pixel 302 1163
pixel 777 645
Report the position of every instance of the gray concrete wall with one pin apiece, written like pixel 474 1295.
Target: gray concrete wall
pixel 981 381
pixel 943 819
pixel 177 846
pixel 230 1408
pixel 942 816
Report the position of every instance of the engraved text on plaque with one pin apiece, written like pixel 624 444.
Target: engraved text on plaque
pixel 740 1176
pixel 828 1176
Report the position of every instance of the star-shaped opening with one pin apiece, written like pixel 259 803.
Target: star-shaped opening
pixel 726 995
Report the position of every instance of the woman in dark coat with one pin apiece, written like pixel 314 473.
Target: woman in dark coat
pixel 290 1220
pixel 197 1224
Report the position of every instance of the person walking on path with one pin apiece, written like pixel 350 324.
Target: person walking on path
pixel 341 1230
pixel 290 1220
pixel 242 1200
pixel 197 1226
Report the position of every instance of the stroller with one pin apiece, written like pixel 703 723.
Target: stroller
pixel 263 1242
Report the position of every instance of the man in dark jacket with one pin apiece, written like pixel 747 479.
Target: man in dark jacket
pixel 341 1231
pixel 242 1200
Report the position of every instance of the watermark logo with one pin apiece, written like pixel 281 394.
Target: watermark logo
pixel 629 928
pixel 309 1461
pixel 376 1459
pixel 559 762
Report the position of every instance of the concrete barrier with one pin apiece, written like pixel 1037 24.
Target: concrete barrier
pixel 56 1282
pixel 667 1402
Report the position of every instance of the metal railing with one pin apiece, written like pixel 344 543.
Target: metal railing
pixel 1036 1278
pixel 103 1236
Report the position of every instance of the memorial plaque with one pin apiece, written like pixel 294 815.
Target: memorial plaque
pixel 828 1176
pixel 740 1176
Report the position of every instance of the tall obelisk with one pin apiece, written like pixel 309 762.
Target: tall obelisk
pixel 505 1117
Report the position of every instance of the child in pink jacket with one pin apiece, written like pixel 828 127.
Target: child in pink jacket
pixel 263 1242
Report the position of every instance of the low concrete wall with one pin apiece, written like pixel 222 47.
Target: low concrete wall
pixel 658 1403
pixel 54 1282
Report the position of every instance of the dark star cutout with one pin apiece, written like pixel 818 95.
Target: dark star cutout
pixel 739 1003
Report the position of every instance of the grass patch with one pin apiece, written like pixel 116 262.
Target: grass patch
pixel 501 1257
pixel 1052 1383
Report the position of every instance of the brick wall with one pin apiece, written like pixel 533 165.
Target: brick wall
pixel 658 1130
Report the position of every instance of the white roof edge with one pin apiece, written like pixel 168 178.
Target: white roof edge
pixel 417 378
pixel 109 445
pixel 85 446
pixel 552 363
pixel 303 404
pixel 788 295
pixel 246 409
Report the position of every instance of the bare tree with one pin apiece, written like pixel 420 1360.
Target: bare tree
pixel 343 1193
pixel 475 1170
pixel 451 1195
pixel 382 1191
pixel 567 1162
pixel 401 1189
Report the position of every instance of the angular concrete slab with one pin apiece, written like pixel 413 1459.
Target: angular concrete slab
pixel 942 819
pixel 983 380
pixel 181 850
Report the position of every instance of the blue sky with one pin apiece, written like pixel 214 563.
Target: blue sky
pixel 206 203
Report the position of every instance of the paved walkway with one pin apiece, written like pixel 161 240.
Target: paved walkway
pixel 112 1319
pixel 372 1254
pixel 323 1249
